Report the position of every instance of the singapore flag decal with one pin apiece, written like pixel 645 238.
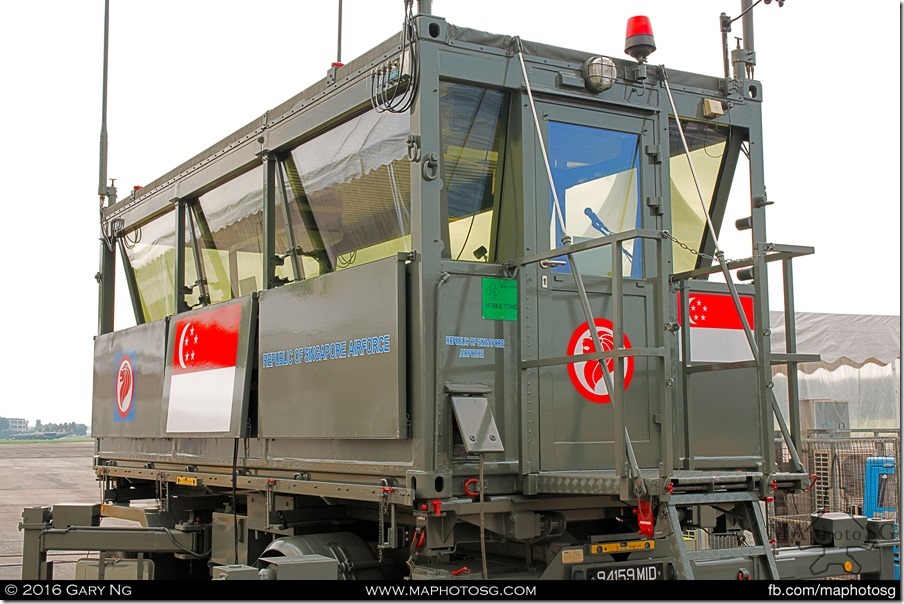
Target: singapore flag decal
pixel 716 331
pixel 203 370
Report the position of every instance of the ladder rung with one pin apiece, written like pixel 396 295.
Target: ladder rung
pixel 608 354
pixel 712 498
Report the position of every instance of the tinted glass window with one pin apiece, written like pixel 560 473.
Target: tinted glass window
pixel 707 148
pixel 229 228
pixel 473 133
pixel 596 175
pixel 151 252
pixel 349 192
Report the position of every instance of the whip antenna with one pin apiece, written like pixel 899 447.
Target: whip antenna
pixel 107 195
pixel 102 189
pixel 339 36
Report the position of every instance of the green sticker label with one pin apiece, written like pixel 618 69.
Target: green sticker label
pixel 499 299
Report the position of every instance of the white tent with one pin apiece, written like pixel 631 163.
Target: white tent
pixel 859 371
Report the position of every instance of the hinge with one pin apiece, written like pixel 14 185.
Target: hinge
pixel 655 153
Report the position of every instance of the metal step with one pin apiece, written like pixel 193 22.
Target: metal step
pixel 760 555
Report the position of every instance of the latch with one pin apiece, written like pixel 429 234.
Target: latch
pixel 551 263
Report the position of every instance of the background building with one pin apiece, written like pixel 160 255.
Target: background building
pixel 17 424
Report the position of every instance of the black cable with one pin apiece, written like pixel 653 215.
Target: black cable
pixel 381 98
pixel 746 11
pixel 401 104
pixel 349 259
pixel 194 554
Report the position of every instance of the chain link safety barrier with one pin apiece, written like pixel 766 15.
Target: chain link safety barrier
pixel 833 589
pixel 767 247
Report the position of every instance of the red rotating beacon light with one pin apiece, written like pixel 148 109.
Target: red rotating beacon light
pixel 639 41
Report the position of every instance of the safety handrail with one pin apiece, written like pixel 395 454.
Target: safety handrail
pixel 575 248
pixel 569 250
pixel 774 252
pixel 785 253
pixel 590 244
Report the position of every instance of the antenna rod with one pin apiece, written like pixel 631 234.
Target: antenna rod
pixel 747 24
pixel 339 44
pixel 107 270
pixel 102 176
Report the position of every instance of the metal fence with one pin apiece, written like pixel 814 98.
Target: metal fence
pixel 855 471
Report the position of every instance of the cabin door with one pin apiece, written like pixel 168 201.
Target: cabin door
pixel 602 174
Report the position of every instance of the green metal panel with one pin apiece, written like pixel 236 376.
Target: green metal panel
pixel 577 433
pixel 723 419
pixel 475 353
pixel 129 356
pixel 332 355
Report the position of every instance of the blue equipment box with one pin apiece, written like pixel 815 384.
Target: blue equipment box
pixel 879 491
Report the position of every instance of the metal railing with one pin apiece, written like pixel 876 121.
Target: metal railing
pixel 761 359
pixel 624 451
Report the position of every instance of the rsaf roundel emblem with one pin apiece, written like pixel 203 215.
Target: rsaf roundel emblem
pixel 587 376
pixel 125 386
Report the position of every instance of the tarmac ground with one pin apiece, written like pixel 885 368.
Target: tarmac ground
pixel 42 474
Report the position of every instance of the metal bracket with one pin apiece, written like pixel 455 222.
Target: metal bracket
pixel 430 167
pixel 655 202
pixel 638 73
pixel 478 428
pixel 414 147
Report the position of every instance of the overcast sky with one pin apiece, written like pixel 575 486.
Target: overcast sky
pixel 184 74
